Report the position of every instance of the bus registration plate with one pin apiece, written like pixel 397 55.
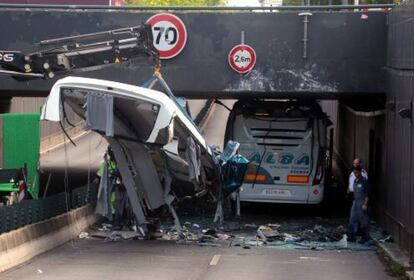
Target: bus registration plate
pixel 275 192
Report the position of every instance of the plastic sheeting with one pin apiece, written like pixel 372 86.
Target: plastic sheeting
pixel 99 113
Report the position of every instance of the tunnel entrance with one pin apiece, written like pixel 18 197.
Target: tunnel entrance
pixel 326 72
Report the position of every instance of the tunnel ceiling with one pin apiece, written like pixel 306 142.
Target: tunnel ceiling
pixel 345 54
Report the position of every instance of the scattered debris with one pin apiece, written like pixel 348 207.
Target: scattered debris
pixel 83 235
pixel 289 238
pixel 251 226
pixel 274 226
pixel 344 241
pixel 314 233
pixel 223 236
pixel 108 235
pixel 388 239
pixel 325 234
pixel 261 234
pixel 210 231
pixel 105 227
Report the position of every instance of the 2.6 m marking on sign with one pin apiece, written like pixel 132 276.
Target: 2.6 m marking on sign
pixel 242 58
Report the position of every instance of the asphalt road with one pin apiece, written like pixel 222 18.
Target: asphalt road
pixel 95 259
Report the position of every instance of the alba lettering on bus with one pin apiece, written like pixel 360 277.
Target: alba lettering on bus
pixel 283 159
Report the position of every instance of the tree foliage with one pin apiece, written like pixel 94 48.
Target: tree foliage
pixel 174 2
pixel 335 2
pixel 312 2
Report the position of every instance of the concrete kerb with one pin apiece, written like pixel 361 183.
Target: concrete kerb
pixel 21 245
pixel 397 255
pixel 58 139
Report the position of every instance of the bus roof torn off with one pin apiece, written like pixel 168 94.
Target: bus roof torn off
pixel 162 158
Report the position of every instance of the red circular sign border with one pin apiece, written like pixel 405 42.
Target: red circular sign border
pixel 250 66
pixel 177 22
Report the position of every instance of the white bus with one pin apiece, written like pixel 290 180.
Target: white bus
pixel 286 143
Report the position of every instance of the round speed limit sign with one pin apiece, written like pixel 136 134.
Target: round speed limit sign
pixel 169 34
pixel 242 58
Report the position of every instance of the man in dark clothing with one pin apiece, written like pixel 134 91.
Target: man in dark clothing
pixel 359 219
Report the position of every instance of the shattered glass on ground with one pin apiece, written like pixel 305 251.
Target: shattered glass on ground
pixel 314 233
pixel 261 226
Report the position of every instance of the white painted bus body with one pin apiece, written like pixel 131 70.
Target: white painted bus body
pixel 285 142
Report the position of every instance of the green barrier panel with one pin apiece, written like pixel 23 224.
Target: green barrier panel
pixel 21 145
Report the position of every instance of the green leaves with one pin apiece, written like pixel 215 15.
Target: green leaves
pixel 174 2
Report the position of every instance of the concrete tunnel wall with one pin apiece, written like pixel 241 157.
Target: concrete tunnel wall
pixel 398 185
pixel 361 134
pixel 345 56
pixel 384 139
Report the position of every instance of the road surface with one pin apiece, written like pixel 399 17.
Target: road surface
pixel 95 259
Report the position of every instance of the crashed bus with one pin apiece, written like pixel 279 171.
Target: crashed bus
pixel 286 144
pixel 162 157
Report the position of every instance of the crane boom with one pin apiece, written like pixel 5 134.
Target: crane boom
pixel 85 52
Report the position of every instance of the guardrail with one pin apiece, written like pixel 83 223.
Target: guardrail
pixel 198 8
pixel 32 211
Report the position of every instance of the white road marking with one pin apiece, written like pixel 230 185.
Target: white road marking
pixel 315 259
pixel 215 260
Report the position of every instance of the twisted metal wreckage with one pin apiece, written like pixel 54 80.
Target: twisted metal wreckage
pixel 161 156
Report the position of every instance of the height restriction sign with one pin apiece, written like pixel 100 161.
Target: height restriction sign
pixel 169 34
pixel 242 58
